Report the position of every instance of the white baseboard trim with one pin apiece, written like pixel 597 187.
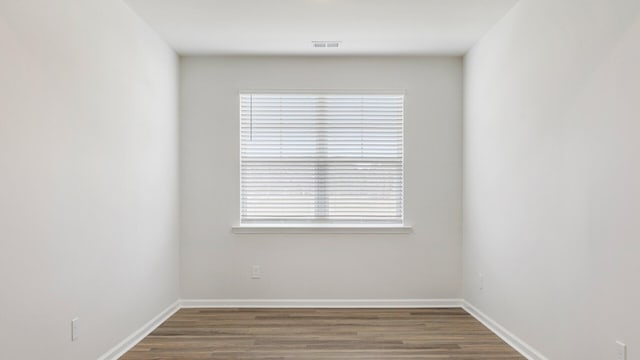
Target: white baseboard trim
pixel 128 343
pixel 515 342
pixel 287 303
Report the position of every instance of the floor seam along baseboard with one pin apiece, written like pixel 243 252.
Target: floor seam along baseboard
pixel 130 341
pixel 507 336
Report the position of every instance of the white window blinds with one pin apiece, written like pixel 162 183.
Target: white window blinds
pixel 321 159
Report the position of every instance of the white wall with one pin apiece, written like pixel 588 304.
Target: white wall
pixel 88 189
pixel 216 263
pixel 552 182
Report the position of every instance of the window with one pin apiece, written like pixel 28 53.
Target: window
pixel 321 158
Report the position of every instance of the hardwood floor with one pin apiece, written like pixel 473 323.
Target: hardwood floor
pixel 304 334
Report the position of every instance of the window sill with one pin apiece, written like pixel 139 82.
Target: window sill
pixel 321 229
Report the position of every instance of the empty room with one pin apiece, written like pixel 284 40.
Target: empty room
pixel 320 179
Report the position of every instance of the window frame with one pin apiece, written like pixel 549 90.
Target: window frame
pixel 319 227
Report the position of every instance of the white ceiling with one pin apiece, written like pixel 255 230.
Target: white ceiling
pixel 287 27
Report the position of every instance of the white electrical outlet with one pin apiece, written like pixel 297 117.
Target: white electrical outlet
pixel 256 272
pixel 74 329
pixel 621 351
pixel 481 281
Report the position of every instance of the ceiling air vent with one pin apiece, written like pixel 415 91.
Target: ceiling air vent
pixel 326 44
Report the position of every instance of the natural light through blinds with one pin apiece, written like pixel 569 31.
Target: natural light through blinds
pixel 321 158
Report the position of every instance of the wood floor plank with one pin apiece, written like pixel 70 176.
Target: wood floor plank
pixel 312 334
